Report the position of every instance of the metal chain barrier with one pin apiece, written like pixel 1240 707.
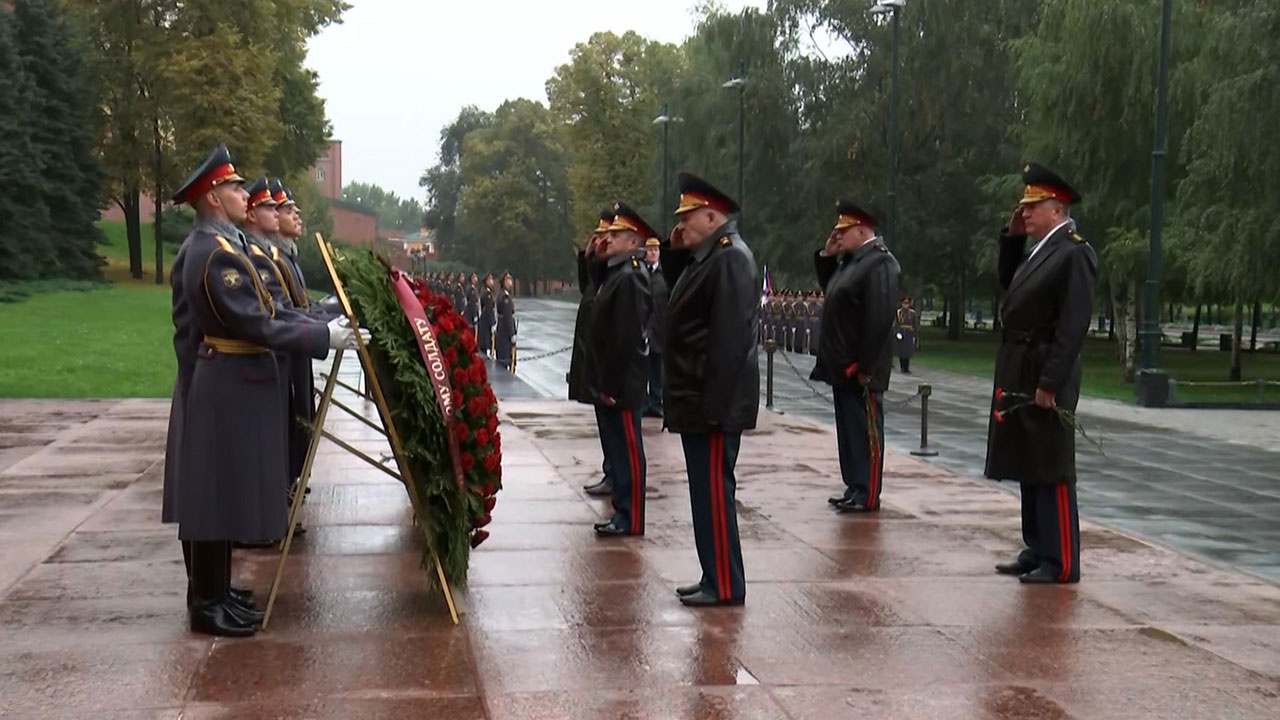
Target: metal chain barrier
pixel 826 395
pixel 540 356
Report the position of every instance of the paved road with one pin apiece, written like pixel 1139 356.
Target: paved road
pixel 1182 478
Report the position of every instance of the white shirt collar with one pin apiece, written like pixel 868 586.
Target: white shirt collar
pixel 1047 236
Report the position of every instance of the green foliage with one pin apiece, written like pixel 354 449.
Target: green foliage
pixel 394 212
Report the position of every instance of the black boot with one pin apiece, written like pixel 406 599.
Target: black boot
pixel 211 611
pixel 242 596
pixel 186 562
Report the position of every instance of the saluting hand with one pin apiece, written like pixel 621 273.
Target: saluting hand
pixel 831 246
pixel 1044 398
pixel 1017 226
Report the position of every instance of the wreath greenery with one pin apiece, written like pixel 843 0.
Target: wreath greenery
pixel 454 520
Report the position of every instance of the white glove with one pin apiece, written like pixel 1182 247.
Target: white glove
pixel 341 336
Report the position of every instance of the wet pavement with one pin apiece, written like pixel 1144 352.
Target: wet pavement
pixel 1204 482
pixel 893 616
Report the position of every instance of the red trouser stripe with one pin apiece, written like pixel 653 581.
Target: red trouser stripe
pixel 1064 532
pixel 633 460
pixel 715 487
pixel 873 441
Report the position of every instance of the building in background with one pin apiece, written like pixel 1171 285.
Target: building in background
pixel 352 224
pixel 328 170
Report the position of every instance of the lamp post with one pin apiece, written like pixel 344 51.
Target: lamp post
pixel 1153 383
pixel 665 121
pixel 740 82
pixel 891 7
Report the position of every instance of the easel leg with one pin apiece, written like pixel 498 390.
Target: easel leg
pixel 444 584
pixel 322 412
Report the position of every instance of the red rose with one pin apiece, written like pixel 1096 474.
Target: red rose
pixel 469 341
pixel 467 461
pixel 451 356
pixel 482 437
pixel 475 373
pixel 461 432
pixel 491 463
pixel 490 487
pixel 481 521
pixel 489 503
pixel 459 377
pixel 478 537
pixel 999 416
pixel 444 323
pixel 999 394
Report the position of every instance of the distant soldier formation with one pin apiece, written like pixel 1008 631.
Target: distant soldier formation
pixel 490 311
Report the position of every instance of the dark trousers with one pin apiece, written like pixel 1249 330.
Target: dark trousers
pixel 624 450
pixel 860 443
pixel 1051 528
pixel 904 362
pixel 653 401
pixel 710 459
pixel 210 572
pixel 606 467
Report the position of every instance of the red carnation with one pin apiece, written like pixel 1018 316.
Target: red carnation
pixel 482 437
pixel 461 431
pixel 491 424
pixel 489 504
pixel 999 416
pixel 450 356
pixel 468 341
pixel 478 537
pixel 467 461
pixel 488 488
pixel 481 521
pixel 475 373
pixel 491 462
pixel 445 323
pixel 459 377
pixel 999 394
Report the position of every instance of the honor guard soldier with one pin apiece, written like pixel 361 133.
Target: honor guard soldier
pixel 861 280
pixel 659 293
pixel 262 222
pixel 905 337
pixel 591 263
pixel 459 295
pixel 1048 299
pixel 473 300
pixel 815 322
pixel 711 376
pixel 488 318
pixel 620 365
pixel 773 313
pixel 802 323
pixel 504 343
pixel 788 320
pixel 230 487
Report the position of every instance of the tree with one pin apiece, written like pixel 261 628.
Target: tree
pixel 394 213
pixel 71 183
pixel 24 218
pixel 511 171
pixel 443 182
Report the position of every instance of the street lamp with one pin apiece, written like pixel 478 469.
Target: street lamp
pixel 892 7
pixel 665 121
pixel 1153 383
pixel 740 82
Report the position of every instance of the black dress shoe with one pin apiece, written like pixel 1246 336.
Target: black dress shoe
pixel 298 530
pixel 604 488
pixel 608 529
pixel 242 596
pixel 837 499
pixel 1040 576
pixel 246 616
pixel 703 599
pixel 687 590
pixel 851 505
pixel 601 481
pixel 653 413
pixel 1017 567
pixel 217 620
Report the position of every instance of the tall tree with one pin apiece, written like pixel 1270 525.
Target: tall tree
pixel 71 180
pixel 443 182
pixel 394 212
pixel 24 218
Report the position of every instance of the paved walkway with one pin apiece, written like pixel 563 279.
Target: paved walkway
pixel 1201 481
pixel 897 616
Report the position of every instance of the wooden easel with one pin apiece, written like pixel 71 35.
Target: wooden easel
pixel 387 428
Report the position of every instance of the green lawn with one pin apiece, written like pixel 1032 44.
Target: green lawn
pixel 974 354
pixel 108 343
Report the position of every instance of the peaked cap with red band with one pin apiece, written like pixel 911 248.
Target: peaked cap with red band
pixel 1044 184
pixel 698 193
pixel 278 193
pixel 848 215
pixel 625 218
pixel 214 171
pixel 260 193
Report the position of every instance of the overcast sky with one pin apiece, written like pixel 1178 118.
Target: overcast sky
pixel 397 71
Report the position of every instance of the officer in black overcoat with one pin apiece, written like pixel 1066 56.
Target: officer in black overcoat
pixel 659 292
pixel 484 333
pixel 230 483
pixel 711 375
pixel 504 342
pixel 855 355
pixel 473 300
pixel 619 348
pixel 1048 300
pixel 591 260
